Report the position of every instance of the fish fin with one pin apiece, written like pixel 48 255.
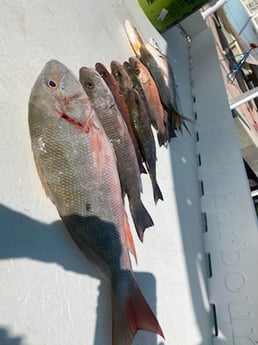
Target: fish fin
pixel 175 120
pixel 175 113
pixel 130 313
pixel 169 126
pixel 171 131
pixel 187 129
pixel 142 169
pixel 141 219
pixel 162 138
pixel 156 191
pixel 97 149
pixel 129 238
pixel 186 118
pixel 178 125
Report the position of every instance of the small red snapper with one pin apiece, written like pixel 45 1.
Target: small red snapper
pixel 77 166
pixel 156 111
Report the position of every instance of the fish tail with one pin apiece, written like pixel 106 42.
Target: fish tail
pixel 141 218
pixel 177 120
pixel 177 123
pixel 170 130
pixel 156 191
pixel 141 167
pixel 130 312
pixel 184 124
pixel 162 138
pixel 157 194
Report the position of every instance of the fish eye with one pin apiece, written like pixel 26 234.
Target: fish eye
pixel 52 84
pixel 137 71
pixel 88 84
pixel 117 74
pixel 137 101
pixel 103 74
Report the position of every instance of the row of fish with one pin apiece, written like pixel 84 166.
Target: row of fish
pixel 78 169
pixel 139 94
pixel 161 71
pixel 90 149
pixel 129 167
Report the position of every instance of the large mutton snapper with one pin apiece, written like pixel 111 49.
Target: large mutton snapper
pixel 77 167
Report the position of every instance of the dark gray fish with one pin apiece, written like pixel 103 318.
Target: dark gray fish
pixel 117 132
pixel 142 125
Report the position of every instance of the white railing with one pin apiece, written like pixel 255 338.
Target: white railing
pixel 251 6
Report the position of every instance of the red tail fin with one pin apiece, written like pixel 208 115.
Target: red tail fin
pixel 131 312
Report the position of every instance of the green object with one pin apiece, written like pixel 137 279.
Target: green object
pixel 165 13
